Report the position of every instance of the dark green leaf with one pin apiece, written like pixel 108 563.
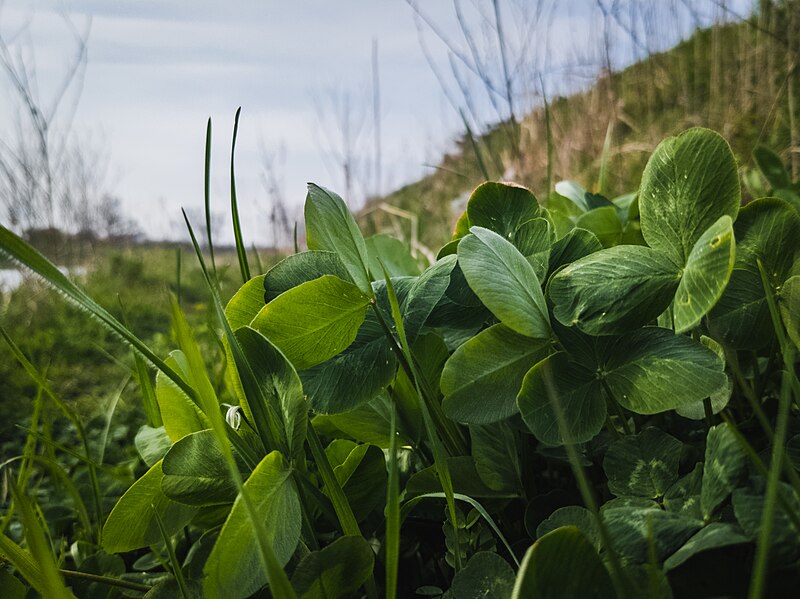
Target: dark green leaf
pixel 689 182
pixel 132 525
pixel 614 290
pixel 295 270
pixel 501 207
pixel 331 227
pixel 234 569
pixel 486 576
pixel 504 281
pixel 724 467
pixel 563 564
pixel 336 571
pixel 482 378
pixel 644 465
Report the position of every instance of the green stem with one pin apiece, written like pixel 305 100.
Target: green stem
pixel 114 582
pixel 451 437
pixel 341 505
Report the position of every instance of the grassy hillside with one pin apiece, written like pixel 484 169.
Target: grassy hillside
pixel 740 79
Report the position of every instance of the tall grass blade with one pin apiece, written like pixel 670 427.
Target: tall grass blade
pixel 207 200
pixel 549 141
pixel 48 579
pixel 761 563
pixel 175 565
pixel 602 178
pixel 439 455
pixel 244 267
pixel 279 582
pixel 392 510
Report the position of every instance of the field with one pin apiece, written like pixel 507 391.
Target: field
pixel 585 383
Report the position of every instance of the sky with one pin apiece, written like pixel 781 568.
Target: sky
pixel 158 69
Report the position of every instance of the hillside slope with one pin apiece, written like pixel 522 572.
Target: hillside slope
pixel 738 79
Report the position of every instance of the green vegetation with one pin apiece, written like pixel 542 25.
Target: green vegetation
pixel 594 397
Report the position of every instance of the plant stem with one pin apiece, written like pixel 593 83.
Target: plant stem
pixel 114 582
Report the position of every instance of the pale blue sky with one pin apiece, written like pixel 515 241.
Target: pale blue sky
pixel 158 69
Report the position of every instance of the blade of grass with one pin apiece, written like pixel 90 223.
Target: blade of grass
pixel 439 455
pixel 602 178
pixel 761 562
pixel 49 581
pixel 617 574
pixel 207 200
pixel 29 451
pixel 64 478
pixel 279 582
pixel 409 505
pixel 549 141
pixel 178 274
pixel 341 505
pixel 175 565
pixel 244 267
pixel 392 510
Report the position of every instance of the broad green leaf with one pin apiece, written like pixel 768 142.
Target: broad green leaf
pixel 245 303
pixel 748 506
pixel 486 575
pixel 234 569
pixel 391 254
pixel 355 376
pixel 424 294
pixel 132 525
pixel 563 564
pixel 331 227
pixel 581 198
pixel 367 423
pixel 643 465
pixel 505 282
pixel 336 571
pixel 653 370
pixel 496 453
pixel 195 472
pixel 689 182
pixel 281 387
pixel 501 207
pixel 571 247
pixel 771 166
pixel 789 304
pixel 180 414
pixel 576 393
pixel 725 466
pixel 707 271
pixel 720 397
pixel 313 321
pixel 684 496
pixel 633 530
pixel 295 270
pixel 604 223
pixel 614 290
pixel 572 515
pixel 460 230
pixel 482 378
pixel 361 472
pixel 152 444
pixel 767 230
pixel 713 536
pixel 533 239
